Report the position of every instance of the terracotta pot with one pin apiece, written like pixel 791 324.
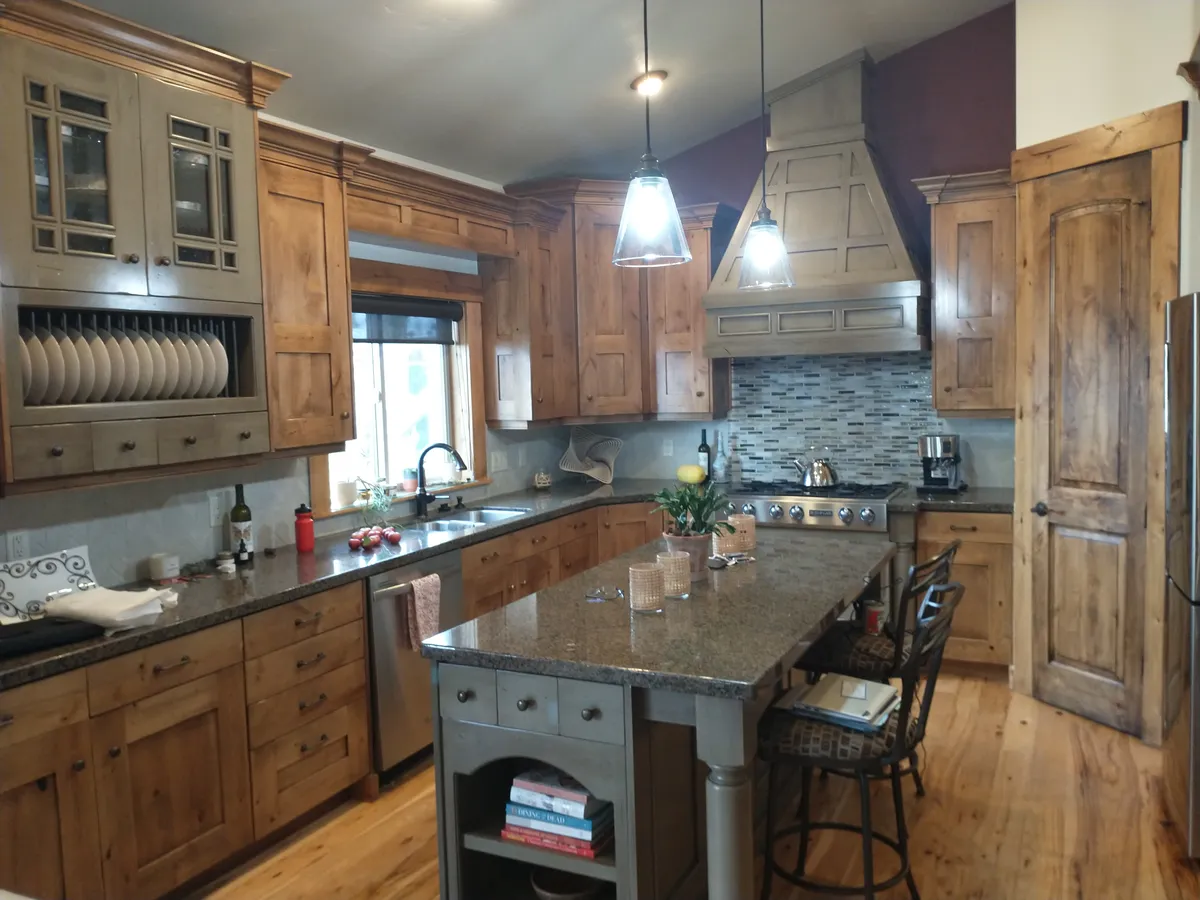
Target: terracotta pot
pixel 695 546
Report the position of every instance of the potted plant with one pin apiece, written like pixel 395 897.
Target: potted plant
pixel 692 510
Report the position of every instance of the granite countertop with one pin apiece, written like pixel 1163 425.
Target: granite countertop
pixel 289 575
pixel 978 500
pixel 734 632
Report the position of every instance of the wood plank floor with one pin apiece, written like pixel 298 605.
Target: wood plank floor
pixel 1024 803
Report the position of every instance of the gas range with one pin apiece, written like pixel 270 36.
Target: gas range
pixel 849 506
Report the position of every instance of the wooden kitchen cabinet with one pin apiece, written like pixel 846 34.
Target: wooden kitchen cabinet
pixel 172 784
pixel 982 628
pixel 306 299
pixel 625 527
pixel 687 384
pixel 974 292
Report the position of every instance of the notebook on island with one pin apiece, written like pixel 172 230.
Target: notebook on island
pixel 846 701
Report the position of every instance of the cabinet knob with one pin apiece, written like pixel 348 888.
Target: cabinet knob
pixel 79 765
pixel 128 445
pixel 190 440
pixel 114 752
pixel 1040 508
pixel 245 435
pixel 539 398
pixel 525 704
pixel 346 415
pixel 588 714
pixel 56 451
pixel 947 388
pixel 163 261
pixel 699 393
pixel 132 259
pixel 464 696
pixel 589 396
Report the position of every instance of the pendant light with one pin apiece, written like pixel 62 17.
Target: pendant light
pixel 765 262
pixel 651 233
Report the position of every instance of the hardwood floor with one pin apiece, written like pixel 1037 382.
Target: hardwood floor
pixel 1024 803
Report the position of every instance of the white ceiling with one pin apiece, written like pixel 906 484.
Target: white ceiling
pixel 511 89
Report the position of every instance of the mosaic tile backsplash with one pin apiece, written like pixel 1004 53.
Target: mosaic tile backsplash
pixel 869 410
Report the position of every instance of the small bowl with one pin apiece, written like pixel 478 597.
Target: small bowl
pixel 551 884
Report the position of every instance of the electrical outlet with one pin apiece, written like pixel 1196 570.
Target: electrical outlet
pixel 668 448
pixel 498 461
pixel 214 509
pixel 18 545
pixel 522 454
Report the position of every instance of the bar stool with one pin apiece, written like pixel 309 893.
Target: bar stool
pixel 789 739
pixel 846 649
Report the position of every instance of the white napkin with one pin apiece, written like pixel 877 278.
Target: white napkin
pixel 113 610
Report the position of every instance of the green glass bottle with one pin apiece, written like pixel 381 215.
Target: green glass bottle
pixel 241 525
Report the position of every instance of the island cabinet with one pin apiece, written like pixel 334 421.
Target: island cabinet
pixel 306 278
pixel 974 292
pixel 982 627
pixel 624 527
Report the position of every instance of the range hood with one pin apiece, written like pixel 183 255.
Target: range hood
pixel 858 289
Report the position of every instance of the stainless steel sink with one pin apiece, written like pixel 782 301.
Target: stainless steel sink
pixel 488 515
pixel 443 525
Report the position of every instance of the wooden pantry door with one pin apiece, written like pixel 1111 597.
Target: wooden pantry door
pixel 1084 241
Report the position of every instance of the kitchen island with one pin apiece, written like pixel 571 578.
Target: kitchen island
pixel 580 685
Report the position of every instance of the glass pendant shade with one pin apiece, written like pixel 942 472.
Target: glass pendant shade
pixel 765 262
pixel 651 233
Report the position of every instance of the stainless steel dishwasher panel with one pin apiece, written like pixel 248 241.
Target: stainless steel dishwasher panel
pixel 401 688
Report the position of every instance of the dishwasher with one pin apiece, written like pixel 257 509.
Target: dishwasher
pixel 401 684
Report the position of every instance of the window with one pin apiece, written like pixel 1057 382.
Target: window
pixel 404 390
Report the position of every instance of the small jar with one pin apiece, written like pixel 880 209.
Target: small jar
pixel 408 481
pixel 225 563
pixel 305 534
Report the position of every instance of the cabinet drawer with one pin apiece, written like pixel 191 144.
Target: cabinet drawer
pixel 242 434
pixel 467 694
pixel 303 661
pixel 47 451
pixel 187 439
pixel 537 539
pixel 291 708
pixel 301 619
pixel 527 702
pixel 133 676
pixel 576 525
pixel 594 712
pixel 124 445
pixel 304 767
pixel 989 528
pixel 34 709
pixel 576 555
pixel 486 559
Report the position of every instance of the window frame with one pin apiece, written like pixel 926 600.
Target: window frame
pixel 468 426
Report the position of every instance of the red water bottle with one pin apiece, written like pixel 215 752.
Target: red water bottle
pixel 305 538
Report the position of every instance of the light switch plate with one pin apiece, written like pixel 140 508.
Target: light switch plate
pixel 214 509
pixel 668 447
pixel 18 545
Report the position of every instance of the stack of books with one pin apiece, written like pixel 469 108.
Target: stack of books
pixel 843 700
pixel 549 809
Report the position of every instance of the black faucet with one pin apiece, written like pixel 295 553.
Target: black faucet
pixel 423 497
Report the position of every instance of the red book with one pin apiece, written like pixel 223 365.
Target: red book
pixel 555 783
pixel 537 839
pixel 557 838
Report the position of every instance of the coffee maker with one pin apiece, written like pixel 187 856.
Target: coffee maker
pixel 941 463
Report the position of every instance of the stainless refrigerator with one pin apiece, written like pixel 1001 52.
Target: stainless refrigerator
pixel 1181 762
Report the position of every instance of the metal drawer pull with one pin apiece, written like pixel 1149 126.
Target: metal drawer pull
pixel 190 440
pixel 490 557
pixel 79 765
pixel 345 415
pixel 132 259
pixel 159 668
pixel 245 435
pixel 540 540
pixel 525 704
pixel 129 445
pixel 464 696
pixel 305 663
pixel 304 748
pixel 305 704
pixel 310 620
pixel 56 451
pixel 7 719
pixel 964 527
pixel 163 261
pixel 114 752
pixel 588 713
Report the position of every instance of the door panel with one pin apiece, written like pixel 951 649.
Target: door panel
pixel 627 527
pixel 1087 240
pixel 307 308
pixel 982 628
pixel 674 295
pixel 72 191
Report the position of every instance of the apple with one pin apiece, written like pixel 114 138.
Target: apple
pixel 355 543
pixel 394 537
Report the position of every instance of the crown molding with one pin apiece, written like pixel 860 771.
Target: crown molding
pixel 972 186
pixel 306 150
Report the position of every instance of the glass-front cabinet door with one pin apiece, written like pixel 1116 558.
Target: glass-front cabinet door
pixel 201 203
pixel 72 213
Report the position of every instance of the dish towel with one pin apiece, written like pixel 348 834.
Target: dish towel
pixel 423 604
pixel 113 610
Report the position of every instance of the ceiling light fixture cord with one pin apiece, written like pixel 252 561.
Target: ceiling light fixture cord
pixel 762 71
pixel 646 59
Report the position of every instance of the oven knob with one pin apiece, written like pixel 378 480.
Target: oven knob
pixel 867 515
pixel 796 513
pixel 846 515
pixel 748 508
pixel 776 511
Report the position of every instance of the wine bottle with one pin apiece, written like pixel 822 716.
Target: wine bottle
pixel 703 455
pixel 241 525
pixel 720 466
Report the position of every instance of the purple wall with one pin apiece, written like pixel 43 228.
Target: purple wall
pixel 944 106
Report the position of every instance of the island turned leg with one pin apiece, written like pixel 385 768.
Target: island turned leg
pixel 726 744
